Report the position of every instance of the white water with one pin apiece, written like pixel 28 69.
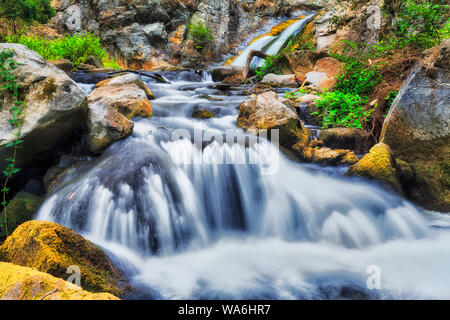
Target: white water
pixel 257 45
pixel 187 225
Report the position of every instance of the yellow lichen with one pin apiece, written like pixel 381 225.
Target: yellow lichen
pixel 22 283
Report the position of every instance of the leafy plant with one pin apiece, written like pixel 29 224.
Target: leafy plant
pixel 201 35
pixel 269 66
pixel 7 78
pixel 358 78
pixel 419 22
pixel 75 48
pixel 339 109
pixel 27 10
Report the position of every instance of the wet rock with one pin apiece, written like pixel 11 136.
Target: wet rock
pixel 316 153
pixel 379 164
pixel 417 130
pixel 22 283
pixel 234 80
pixel 19 210
pixel 111 105
pixel 63 64
pixel 85 67
pixel 345 138
pixel 220 73
pixel 55 107
pixel 202 114
pixel 267 112
pixel 52 248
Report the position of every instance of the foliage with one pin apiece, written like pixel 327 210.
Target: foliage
pixel 390 99
pixel 201 35
pixel 7 78
pixel 75 48
pixel 270 65
pixel 342 109
pixel 358 78
pixel 27 10
pixel 297 94
pixel 419 22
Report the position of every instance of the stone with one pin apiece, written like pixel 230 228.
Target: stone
pixel 417 129
pixel 202 114
pixel 94 61
pixel 111 105
pixel 52 248
pixel 64 64
pixel 267 112
pixel 54 112
pixel 345 138
pixel 379 164
pixel 288 80
pixel 22 283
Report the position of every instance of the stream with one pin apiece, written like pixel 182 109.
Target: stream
pixel 189 216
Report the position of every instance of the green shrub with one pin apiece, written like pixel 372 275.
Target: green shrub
pixel 339 109
pixel 419 22
pixel 270 65
pixel 358 78
pixel 75 48
pixel 27 10
pixel 201 35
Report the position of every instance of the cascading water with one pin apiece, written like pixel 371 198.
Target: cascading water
pixel 196 218
pixel 272 45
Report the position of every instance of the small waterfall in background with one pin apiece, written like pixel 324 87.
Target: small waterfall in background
pixel 271 45
pixel 187 223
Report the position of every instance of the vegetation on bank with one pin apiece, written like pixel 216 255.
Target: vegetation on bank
pixel 201 35
pixel 76 48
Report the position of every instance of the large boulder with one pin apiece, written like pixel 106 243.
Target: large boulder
pixel 379 164
pixel 111 105
pixel 52 248
pixel 19 210
pixel 22 283
pixel 54 111
pixel 417 129
pixel 269 112
pixel 288 80
pixel 345 138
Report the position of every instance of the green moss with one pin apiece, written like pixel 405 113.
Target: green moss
pixel 48 90
pixel 19 210
pixel 202 114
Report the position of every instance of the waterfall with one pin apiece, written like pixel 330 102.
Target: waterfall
pixel 272 45
pixel 189 223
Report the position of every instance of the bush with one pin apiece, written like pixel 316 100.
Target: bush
pixel 338 109
pixel 27 10
pixel 358 78
pixel 201 35
pixel 419 22
pixel 75 48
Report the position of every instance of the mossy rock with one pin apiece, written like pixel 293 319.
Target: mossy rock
pixel 379 164
pixel 19 210
pixel 202 114
pixel 22 283
pixel 52 248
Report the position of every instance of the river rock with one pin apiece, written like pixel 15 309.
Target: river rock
pixel 220 73
pixel 417 129
pixel 19 210
pixel 379 164
pixel 55 107
pixel 22 283
pixel 288 80
pixel 267 112
pixel 94 61
pixel 63 64
pixel 52 248
pixel 345 138
pixel 111 105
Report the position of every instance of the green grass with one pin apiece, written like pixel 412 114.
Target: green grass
pixel 75 48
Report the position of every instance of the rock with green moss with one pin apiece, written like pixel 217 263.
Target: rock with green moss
pixel 417 129
pixel 270 112
pixel 19 210
pixel 379 164
pixel 22 283
pixel 52 248
pixel 202 114
pixel 345 138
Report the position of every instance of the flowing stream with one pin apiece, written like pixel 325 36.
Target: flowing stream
pixel 199 219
